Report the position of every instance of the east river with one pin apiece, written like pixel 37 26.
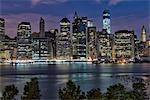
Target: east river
pixel 53 76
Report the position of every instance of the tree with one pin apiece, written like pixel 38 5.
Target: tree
pixel 94 94
pixel 82 96
pixel 31 90
pixel 139 90
pixel 9 92
pixel 129 95
pixel 71 92
pixel 115 92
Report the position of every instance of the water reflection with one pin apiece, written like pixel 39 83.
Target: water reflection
pixel 52 77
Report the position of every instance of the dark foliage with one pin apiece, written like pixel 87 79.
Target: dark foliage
pixel 94 94
pixel 9 92
pixel 139 90
pixel 114 92
pixel 71 92
pixel 31 90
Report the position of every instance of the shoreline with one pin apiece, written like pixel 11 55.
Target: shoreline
pixel 69 62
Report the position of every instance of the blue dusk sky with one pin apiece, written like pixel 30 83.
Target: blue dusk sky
pixel 125 14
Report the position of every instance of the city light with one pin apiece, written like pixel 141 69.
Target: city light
pixel 74 50
pixel 83 44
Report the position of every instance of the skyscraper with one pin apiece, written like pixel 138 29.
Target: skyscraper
pixel 79 37
pixel 143 34
pixel 104 45
pixel 40 48
pixel 90 23
pixel 2 28
pixel 106 21
pixel 53 40
pixel 64 40
pixel 41 43
pixel 75 15
pixel 91 43
pixel 42 27
pixel 24 46
pixel 124 44
pixel 9 44
pixel 137 45
pixel 44 43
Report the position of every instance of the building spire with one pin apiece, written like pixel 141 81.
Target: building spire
pixel 75 15
pixel 143 34
pixel 106 21
pixel 42 27
pixel 143 28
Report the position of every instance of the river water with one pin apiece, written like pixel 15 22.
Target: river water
pixel 53 76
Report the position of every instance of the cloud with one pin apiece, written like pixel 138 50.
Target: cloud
pixel 114 2
pixel 36 2
pixel 111 2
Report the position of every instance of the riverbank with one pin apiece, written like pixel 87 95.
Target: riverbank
pixel 25 62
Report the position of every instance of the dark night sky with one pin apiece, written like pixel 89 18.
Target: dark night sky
pixel 125 14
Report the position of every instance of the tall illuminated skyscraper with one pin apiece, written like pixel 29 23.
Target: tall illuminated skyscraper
pixel 79 37
pixel 90 23
pixel 42 27
pixel 124 44
pixel 91 42
pixel 104 45
pixel 143 34
pixel 24 43
pixel 64 40
pixel 106 21
pixel 43 43
pixel 2 28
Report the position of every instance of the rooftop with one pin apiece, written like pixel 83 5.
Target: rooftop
pixel 65 20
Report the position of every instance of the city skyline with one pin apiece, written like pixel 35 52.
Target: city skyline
pixel 31 10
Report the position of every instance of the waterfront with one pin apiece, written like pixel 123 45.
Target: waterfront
pixel 53 76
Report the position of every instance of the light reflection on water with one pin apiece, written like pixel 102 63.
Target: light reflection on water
pixel 88 76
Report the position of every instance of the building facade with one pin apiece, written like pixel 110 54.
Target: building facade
pixel 40 48
pixel 106 21
pixel 24 42
pixel 143 35
pixel 91 43
pixel 124 44
pixel 64 40
pixel 104 42
pixel 79 37
pixel 137 46
pixel 54 43
pixel 44 43
pixel 2 28
pixel 11 45
pixel 90 23
pixel 40 43
pixel 52 46
pixel 42 27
